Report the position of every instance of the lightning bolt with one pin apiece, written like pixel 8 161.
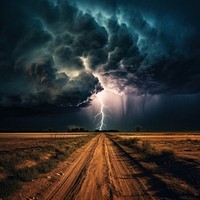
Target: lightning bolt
pixel 102 115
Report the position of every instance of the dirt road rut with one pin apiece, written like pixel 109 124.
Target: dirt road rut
pixel 102 171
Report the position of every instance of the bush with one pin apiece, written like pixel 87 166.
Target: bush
pixel 161 158
pixel 167 153
pixel 138 128
pixel 147 147
pixel 129 142
pixel 26 174
pixel 8 186
pixel 47 166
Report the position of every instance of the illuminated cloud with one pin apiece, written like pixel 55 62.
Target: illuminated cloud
pixel 57 54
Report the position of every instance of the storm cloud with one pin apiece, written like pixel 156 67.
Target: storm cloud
pixel 41 42
pixel 153 47
pixel 59 53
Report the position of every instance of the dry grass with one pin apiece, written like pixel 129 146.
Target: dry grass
pixel 173 159
pixel 24 159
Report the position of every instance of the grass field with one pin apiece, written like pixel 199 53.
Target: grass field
pixel 24 157
pixel 168 164
pixel 174 159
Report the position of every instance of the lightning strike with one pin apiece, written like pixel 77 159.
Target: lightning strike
pixel 83 102
pixel 103 108
pixel 101 114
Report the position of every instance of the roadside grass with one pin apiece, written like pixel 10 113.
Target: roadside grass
pixel 8 186
pixel 166 164
pixel 59 150
pixel 128 142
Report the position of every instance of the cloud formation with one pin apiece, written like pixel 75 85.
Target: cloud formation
pixel 138 48
pixel 41 48
pixel 154 47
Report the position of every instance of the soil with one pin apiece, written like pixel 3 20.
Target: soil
pixel 98 170
pixel 101 171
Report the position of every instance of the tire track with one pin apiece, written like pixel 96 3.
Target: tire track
pixel 71 183
pixel 125 186
pixel 101 172
pixel 96 183
pixel 122 165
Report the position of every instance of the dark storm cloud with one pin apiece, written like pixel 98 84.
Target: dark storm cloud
pixel 80 89
pixel 40 42
pixel 122 46
pixel 141 47
pixel 47 85
pixel 155 43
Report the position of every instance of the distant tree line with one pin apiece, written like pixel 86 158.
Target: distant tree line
pixel 110 130
pixel 138 128
pixel 73 128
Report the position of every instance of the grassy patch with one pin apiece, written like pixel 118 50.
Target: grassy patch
pixel 7 186
pixel 128 142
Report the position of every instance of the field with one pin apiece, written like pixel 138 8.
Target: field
pixel 27 157
pixel 185 145
pixel 172 159
pixel 100 166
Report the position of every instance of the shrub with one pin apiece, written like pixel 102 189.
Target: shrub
pixel 8 186
pixel 167 153
pixel 47 166
pixel 26 174
pixel 147 147
pixel 129 142
pixel 138 128
pixel 165 157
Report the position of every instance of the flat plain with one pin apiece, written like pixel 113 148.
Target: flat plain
pixel 100 166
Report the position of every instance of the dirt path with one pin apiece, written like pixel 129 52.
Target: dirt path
pixel 101 171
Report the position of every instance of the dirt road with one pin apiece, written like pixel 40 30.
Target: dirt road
pixel 102 171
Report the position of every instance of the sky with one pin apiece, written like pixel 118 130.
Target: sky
pixel 100 64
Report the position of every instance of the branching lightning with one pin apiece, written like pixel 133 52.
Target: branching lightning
pixel 102 115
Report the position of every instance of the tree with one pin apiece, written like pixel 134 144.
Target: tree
pixel 138 128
